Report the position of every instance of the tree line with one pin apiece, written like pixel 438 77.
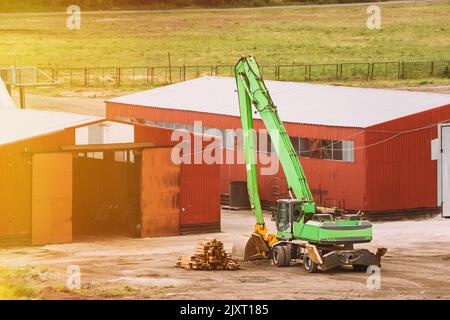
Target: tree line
pixel 56 5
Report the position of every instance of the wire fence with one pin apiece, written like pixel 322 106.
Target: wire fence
pixel 155 76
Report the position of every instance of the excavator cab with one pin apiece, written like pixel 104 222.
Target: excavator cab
pixel 287 212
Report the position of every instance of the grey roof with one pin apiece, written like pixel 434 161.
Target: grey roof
pixel 296 102
pixel 5 98
pixel 17 124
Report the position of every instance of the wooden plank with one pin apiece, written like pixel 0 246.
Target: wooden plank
pixel 209 254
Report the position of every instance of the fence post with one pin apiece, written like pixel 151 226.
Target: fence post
pixel 403 69
pixel 432 68
pixel 153 75
pixel 19 72
pixel 22 97
pixel 119 74
pixel 169 72
pixel 86 76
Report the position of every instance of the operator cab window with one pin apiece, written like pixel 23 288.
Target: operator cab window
pixel 296 213
pixel 283 223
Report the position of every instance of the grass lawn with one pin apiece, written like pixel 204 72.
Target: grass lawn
pixel 15 283
pixel 273 35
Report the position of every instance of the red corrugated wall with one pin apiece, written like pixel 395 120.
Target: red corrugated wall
pixel 200 194
pixel 200 183
pixel 332 182
pixel 400 173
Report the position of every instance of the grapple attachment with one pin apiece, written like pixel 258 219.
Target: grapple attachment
pixel 250 247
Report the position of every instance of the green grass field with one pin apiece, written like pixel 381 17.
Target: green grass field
pixel 274 35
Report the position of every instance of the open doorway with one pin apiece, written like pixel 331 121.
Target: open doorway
pixel 106 194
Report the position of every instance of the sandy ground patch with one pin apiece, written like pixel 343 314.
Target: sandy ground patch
pixel 91 102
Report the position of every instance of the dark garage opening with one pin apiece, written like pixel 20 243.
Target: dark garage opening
pixel 106 194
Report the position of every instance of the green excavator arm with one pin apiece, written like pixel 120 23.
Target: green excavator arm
pixel 252 92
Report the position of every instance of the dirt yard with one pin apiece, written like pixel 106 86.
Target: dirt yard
pixel 91 102
pixel 417 266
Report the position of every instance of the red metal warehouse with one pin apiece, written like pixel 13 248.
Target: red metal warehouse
pixel 65 176
pixel 362 149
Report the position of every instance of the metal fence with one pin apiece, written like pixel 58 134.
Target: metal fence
pixel 155 76
pixel 31 76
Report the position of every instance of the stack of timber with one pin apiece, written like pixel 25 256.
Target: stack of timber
pixel 209 255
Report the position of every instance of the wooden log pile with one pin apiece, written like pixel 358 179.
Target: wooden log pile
pixel 209 255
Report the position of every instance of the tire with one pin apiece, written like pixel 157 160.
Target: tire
pixel 359 268
pixel 309 265
pixel 287 253
pixel 279 256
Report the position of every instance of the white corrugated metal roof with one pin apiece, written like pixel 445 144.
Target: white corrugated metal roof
pixel 5 98
pixel 18 124
pixel 296 102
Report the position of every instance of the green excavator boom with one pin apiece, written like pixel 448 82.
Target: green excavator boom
pixel 253 92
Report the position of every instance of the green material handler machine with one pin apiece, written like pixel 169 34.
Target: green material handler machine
pixel 322 238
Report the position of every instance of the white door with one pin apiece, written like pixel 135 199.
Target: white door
pixel 445 170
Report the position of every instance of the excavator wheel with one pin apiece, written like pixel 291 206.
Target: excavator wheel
pixel 281 256
pixel 287 251
pixel 309 265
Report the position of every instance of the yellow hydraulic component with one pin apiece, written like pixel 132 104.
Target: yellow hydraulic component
pixel 254 246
